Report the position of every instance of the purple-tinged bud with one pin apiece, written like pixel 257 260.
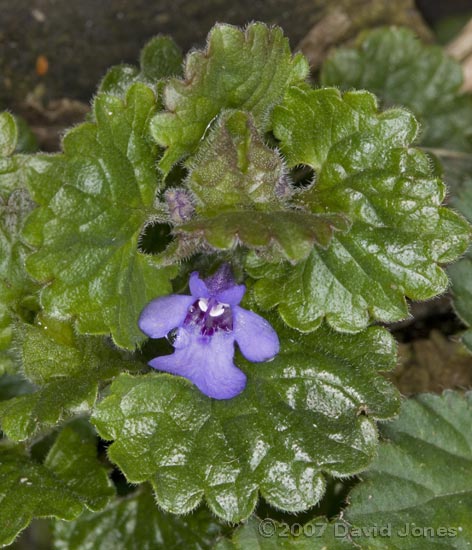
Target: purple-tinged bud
pixel 180 205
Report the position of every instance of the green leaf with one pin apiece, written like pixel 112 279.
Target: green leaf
pixel 67 370
pixel 268 534
pixel 118 80
pixel 299 416
pixel 15 286
pixel 73 459
pixel 94 200
pixel 248 70
pixel 70 481
pixel 27 141
pixel 241 193
pixel 396 66
pixel 8 134
pixel 366 171
pixel 137 522
pixel 160 58
pixel 421 480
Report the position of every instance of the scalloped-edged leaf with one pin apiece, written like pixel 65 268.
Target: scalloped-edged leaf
pixel 366 171
pixel 160 58
pixel 240 69
pixel 401 70
pixel 70 481
pixel 299 416
pixel 94 200
pixel 136 522
pixel 66 369
pixel 268 534
pixel 420 486
pixel 241 193
pixel 15 205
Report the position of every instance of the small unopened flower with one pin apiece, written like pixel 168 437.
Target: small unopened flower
pixel 203 328
pixel 180 205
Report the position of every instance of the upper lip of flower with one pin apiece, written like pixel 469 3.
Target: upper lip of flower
pixel 209 321
pixel 220 286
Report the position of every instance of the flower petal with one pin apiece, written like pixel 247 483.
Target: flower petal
pixel 232 295
pixel 208 363
pixel 163 314
pixel 198 288
pixel 257 340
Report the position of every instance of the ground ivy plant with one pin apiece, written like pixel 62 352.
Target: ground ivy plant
pixel 241 232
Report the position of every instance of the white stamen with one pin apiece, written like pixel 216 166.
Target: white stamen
pixel 217 310
pixel 203 304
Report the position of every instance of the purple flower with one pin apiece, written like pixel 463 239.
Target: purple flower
pixel 203 328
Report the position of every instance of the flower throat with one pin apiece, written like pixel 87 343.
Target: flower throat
pixel 209 316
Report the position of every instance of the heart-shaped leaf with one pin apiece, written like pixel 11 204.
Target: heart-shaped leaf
pixel 94 200
pixel 300 415
pixel 366 171
pixel 248 70
pixel 66 369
